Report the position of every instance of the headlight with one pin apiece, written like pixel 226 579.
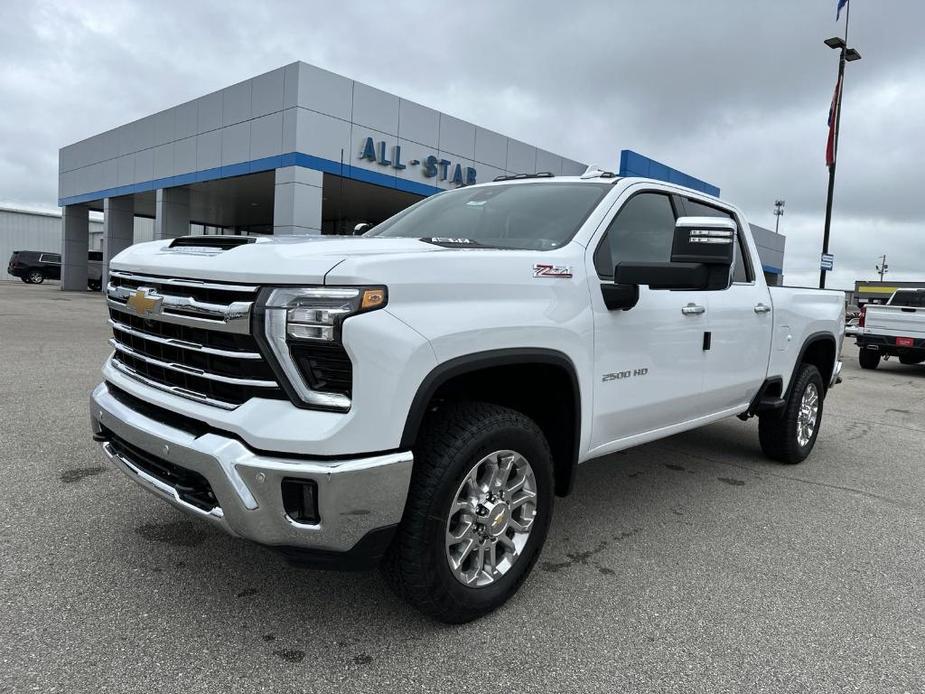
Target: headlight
pixel 302 327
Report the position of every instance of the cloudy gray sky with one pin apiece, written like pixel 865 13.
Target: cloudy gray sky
pixel 732 91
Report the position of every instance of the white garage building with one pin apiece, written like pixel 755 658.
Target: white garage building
pixel 296 150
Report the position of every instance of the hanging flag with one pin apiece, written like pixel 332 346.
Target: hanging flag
pixel 841 4
pixel 833 120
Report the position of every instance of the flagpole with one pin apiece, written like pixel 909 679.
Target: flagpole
pixel 831 190
pixel 847 19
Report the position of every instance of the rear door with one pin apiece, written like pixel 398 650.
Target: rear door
pixel 740 323
pixel 50 263
pixel 648 360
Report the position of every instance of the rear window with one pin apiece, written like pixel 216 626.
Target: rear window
pixel 916 299
pixel 694 208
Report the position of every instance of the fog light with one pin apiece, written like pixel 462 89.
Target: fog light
pixel 300 499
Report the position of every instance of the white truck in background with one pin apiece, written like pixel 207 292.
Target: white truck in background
pixel 894 329
pixel 417 396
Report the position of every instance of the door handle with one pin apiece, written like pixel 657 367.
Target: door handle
pixel 692 310
pixel 762 308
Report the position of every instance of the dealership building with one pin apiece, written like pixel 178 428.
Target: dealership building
pixel 297 150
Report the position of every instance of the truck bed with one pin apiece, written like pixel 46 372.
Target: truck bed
pixel 800 312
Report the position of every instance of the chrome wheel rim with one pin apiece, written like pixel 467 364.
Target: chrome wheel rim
pixel 809 412
pixel 490 519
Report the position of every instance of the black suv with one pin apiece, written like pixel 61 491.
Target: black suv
pixel 34 267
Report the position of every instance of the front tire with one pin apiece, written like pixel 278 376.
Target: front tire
pixel 789 436
pixel 478 510
pixel 869 358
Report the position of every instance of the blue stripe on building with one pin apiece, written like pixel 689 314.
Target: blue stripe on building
pixel 634 164
pixel 257 165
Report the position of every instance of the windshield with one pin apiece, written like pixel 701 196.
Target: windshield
pixel 532 216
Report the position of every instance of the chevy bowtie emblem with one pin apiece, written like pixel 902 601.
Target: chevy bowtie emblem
pixel 145 302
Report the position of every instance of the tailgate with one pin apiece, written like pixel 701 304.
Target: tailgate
pixel 904 320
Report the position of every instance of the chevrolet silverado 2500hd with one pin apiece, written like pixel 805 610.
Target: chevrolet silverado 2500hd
pixel 894 330
pixel 417 396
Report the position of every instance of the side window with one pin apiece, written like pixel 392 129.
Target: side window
pixel 50 258
pixel 692 208
pixel 642 231
pixel 95 255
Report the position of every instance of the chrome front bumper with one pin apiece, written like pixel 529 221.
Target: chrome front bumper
pixel 354 496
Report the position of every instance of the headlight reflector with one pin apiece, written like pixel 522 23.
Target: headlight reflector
pixel 297 317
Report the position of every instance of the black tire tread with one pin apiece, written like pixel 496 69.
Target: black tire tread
pixel 868 359
pixel 777 430
pixel 445 435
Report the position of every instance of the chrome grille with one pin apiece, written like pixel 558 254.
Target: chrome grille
pixel 195 343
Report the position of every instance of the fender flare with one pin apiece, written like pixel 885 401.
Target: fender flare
pixel 810 340
pixel 478 361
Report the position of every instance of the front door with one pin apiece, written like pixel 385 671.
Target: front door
pixel 740 323
pixel 649 360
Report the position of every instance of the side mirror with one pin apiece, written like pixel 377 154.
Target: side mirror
pixel 708 240
pixel 702 254
pixel 362 228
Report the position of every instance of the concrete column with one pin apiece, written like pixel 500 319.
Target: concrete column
pixel 75 244
pixel 297 201
pixel 171 213
pixel 118 229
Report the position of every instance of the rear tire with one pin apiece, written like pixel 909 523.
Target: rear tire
pixel 869 358
pixel 36 277
pixel 788 436
pixel 465 483
pixel 911 361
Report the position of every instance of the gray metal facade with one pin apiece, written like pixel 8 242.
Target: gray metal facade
pixel 297 115
pixel 771 251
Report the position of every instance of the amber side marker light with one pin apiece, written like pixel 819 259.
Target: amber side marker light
pixel 372 298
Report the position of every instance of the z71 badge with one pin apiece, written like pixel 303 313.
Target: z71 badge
pixel 545 270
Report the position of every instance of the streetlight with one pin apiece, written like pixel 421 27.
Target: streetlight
pixel 778 211
pixel 846 55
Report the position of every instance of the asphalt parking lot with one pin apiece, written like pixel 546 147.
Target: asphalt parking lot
pixel 687 565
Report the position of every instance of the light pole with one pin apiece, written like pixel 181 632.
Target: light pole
pixel 882 268
pixel 778 211
pixel 846 55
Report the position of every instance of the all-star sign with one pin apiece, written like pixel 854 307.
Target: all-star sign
pixel 431 166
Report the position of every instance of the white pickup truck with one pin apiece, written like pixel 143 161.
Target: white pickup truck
pixel 417 396
pixel 896 329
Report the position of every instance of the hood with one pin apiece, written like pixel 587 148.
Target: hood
pixel 266 260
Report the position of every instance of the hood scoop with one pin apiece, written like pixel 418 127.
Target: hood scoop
pixel 211 244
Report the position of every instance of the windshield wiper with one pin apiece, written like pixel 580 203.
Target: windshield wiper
pixel 453 242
